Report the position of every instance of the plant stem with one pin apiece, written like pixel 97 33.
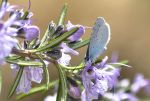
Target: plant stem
pixel 26 53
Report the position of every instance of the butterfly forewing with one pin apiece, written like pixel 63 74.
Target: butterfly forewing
pixel 99 39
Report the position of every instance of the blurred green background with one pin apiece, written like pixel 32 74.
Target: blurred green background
pixel 130 26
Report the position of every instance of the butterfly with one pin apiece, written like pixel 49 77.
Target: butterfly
pixel 99 39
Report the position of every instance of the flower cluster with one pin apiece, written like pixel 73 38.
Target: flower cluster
pixel 17 21
pixel 98 79
pixel 126 91
pixel 29 57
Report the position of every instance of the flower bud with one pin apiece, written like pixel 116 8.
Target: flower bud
pixel 31 32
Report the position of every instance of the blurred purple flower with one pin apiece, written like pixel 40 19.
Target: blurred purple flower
pixel 66 49
pixel 121 96
pixel 30 74
pixel 25 82
pixel 139 83
pixel 98 79
pixel 126 91
pixel 64 60
pixel 74 91
pixel 7 32
pixel 5 7
pixel 6 45
pixel 36 74
pixel 77 35
pixel 31 32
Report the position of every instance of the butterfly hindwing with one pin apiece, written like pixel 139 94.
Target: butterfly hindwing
pixel 99 39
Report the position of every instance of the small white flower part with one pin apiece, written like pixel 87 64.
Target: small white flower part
pixel 51 98
pixel 65 59
pixel 67 49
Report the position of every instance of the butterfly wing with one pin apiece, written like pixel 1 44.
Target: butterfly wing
pixel 99 39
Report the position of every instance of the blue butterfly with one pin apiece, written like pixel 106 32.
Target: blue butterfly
pixel 99 40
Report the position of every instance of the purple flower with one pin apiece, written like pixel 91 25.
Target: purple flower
pixel 66 49
pixel 6 45
pixel 7 33
pixel 30 74
pixel 25 83
pixel 126 91
pixel 98 79
pixel 32 32
pixel 36 74
pixel 74 91
pixel 139 82
pixel 120 96
pixel 77 35
pixel 120 93
pixel 64 60
pixel 5 7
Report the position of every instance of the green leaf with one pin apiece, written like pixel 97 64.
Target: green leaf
pixel 49 32
pixel 80 44
pixel 24 63
pixel 73 67
pixel 56 41
pixel 59 92
pixel 0 80
pixel 62 89
pixel 16 82
pixel 46 72
pixel 36 90
pixel 119 64
pixel 32 43
pixel 13 57
pixel 62 15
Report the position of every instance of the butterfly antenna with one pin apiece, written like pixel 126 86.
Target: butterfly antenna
pixel 29 6
pixel 88 27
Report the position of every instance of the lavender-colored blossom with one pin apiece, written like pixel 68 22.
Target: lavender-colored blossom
pixel 7 34
pixel 6 45
pixel 8 31
pixel 74 91
pixel 64 60
pixel 139 82
pixel 120 93
pixel 36 74
pixel 77 35
pixel 98 79
pixel 126 91
pixel 30 74
pixel 121 96
pixel 66 49
pixel 25 83
pixel 31 32
pixel 5 7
